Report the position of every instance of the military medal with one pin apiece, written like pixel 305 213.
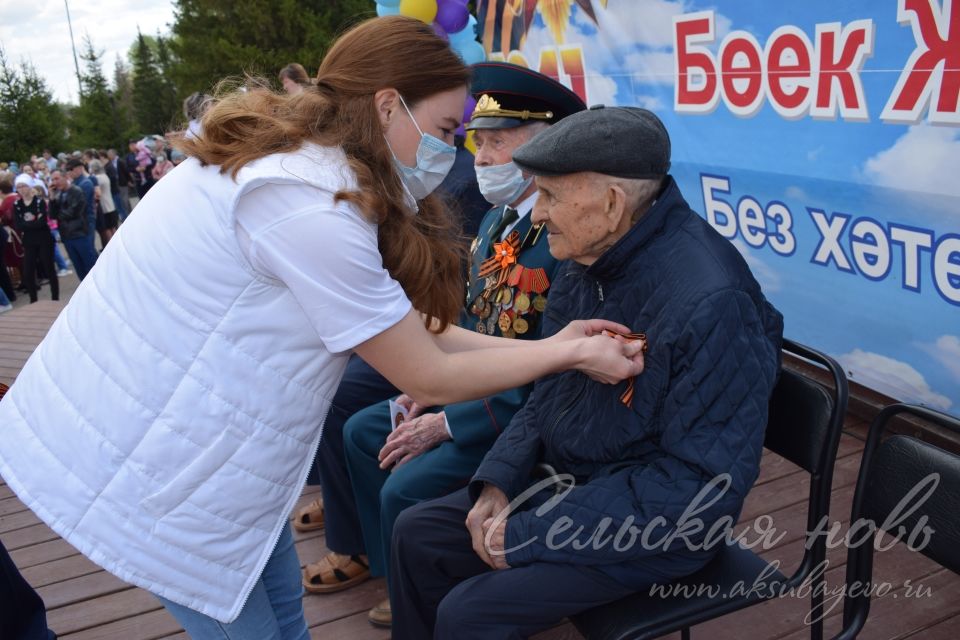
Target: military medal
pixel 506 296
pixel 510 333
pixel 505 322
pixel 520 326
pixel 540 303
pixel 492 321
pixel 481 328
pixel 521 303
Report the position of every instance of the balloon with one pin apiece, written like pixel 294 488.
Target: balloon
pixel 423 10
pixel 471 52
pixel 389 3
pixel 467 34
pixel 440 31
pixel 468 108
pixel 383 10
pixel 452 15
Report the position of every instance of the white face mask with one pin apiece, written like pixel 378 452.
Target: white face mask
pixel 435 158
pixel 502 183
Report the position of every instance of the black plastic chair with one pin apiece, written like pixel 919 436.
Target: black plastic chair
pixel 804 427
pixel 888 472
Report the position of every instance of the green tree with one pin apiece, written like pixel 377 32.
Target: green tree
pixel 30 120
pixel 213 40
pixel 123 100
pixel 94 122
pixel 168 90
pixel 148 88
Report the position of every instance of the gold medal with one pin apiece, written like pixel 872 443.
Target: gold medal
pixel 510 333
pixel 540 303
pixel 520 326
pixel 505 322
pixel 521 303
pixel 485 311
pixel 506 296
pixel 499 298
pixel 481 328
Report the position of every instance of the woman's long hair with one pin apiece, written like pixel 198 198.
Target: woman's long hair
pixel 424 253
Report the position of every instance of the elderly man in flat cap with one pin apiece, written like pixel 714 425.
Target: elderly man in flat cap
pixel 617 466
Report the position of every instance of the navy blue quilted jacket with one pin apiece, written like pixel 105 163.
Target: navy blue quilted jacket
pixel 699 408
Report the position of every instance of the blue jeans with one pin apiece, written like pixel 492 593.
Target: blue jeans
pixel 274 610
pixel 81 255
pixel 57 256
pixel 121 210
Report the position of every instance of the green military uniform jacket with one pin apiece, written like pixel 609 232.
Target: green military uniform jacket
pixel 481 421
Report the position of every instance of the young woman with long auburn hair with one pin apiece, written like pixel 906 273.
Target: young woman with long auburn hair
pixel 190 368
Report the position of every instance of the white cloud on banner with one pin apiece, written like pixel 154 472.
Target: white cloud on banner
pixel 891 377
pixel 600 89
pixel 630 40
pixel 946 351
pixel 925 158
pixel 650 67
pixel 648 23
pixel 796 193
pixel 768 278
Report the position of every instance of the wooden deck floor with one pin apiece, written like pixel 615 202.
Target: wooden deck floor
pixel 86 603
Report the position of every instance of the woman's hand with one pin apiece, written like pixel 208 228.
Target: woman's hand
pixel 413 438
pixel 587 328
pixel 408 403
pixel 610 359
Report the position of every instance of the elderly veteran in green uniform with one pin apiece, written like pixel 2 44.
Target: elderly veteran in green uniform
pixel 436 450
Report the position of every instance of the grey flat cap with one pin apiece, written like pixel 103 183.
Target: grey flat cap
pixel 625 142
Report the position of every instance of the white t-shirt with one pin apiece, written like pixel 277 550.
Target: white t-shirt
pixel 106 198
pixel 327 255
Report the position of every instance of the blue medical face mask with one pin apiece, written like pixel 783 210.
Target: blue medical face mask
pixel 502 183
pixel 435 158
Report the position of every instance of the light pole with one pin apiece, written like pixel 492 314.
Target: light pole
pixel 73 46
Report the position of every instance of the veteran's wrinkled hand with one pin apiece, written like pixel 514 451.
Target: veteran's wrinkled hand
pixel 413 408
pixel 492 502
pixel 413 438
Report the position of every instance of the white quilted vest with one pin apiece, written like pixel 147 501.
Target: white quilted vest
pixel 166 424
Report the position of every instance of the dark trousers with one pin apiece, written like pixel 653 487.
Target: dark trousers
pixel 22 614
pixel 42 255
pixel 5 283
pixel 439 587
pixel 360 387
pixel 81 255
pixel 382 495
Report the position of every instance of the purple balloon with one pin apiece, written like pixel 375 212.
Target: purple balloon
pixel 440 31
pixel 468 108
pixel 452 15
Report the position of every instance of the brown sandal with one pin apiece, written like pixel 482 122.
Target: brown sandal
pixel 310 517
pixel 334 573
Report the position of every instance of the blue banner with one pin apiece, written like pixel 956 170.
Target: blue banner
pixel 821 137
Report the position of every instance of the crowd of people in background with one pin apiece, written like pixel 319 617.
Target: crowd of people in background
pixel 77 200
